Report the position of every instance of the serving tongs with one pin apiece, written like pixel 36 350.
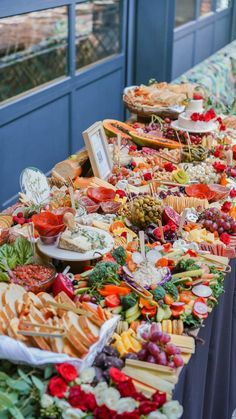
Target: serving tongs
pixel 30 230
pixel 59 331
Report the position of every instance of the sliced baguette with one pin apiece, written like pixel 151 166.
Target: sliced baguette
pixel 69 349
pixel 72 323
pixel 13 293
pixel 88 329
pixel 95 316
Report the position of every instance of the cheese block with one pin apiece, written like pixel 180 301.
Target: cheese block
pixel 149 378
pixel 166 373
pixel 69 241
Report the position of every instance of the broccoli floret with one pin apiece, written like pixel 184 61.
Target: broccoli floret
pixel 104 272
pixel 128 300
pixel 171 289
pixel 119 254
pixel 159 293
pixel 186 265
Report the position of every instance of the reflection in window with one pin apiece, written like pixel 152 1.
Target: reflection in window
pixel 33 50
pixel 222 4
pixel 98 30
pixel 205 7
pixel 185 10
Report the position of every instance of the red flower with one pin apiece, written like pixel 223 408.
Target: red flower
pixel 121 193
pixel 210 114
pixel 133 148
pixel 226 206
pixel 233 193
pixel 57 387
pixel 217 153
pixel 219 119
pixel 76 397
pixel 147 176
pixel 102 412
pixel 222 127
pixel 196 96
pixel 129 415
pixel 67 371
pixel 225 238
pixel 90 401
pixel 147 407
pixel 159 397
pixel 219 167
pixel 126 388
pixel 195 116
pixel 202 117
pixel 117 376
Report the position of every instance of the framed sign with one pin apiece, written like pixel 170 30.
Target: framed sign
pixel 34 185
pixel 96 145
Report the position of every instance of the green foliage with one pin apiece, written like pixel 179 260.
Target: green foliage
pixel 128 300
pixel 104 272
pixel 190 321
pixel 217 289
pixel 21 389
pixel 119 254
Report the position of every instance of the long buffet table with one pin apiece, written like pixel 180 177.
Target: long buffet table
pixel 207 385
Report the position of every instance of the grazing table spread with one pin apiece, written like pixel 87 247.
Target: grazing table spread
pixel 107 282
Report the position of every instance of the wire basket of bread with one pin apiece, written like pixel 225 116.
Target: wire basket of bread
pixel 40 329
pixel 162 99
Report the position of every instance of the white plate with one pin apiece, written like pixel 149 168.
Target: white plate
pixel 176 126
pixel 54 252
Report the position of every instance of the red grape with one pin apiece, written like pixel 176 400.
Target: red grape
pixel 165 338
pixel 145 335
pixel 151 359
pixel 153 349
pixel 162 358
pixel 171 349
pixel 178 360
pixel 142 354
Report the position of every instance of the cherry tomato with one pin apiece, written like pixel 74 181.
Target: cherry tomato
pixel 112 301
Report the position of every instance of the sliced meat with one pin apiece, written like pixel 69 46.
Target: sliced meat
pixel 110 207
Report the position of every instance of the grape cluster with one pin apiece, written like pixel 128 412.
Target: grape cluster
pixel 164 194
pixel 157 348
pixel 215 220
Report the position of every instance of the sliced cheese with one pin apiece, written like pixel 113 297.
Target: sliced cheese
pixel 149 378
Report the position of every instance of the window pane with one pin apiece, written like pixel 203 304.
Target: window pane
pixel 98 30
pixel 205 7
pixel 184 11
pixel 222 4
pixel 33 50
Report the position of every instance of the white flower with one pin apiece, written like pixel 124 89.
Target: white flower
pixel 87 375
pixel 126 404
pixel 99 392
pixel 172 409
pixel 111 398
pixel 46 401
pixel 62 404
pixel 156 415
pixel 72 413
pixel 87 388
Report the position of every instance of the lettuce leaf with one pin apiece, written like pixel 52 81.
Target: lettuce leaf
pixel 8 253
pixel 23 251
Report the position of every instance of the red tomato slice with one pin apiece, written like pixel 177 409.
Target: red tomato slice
pixel 112 301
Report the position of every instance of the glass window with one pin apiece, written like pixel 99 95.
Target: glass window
pixel 33 50
pixel 185 10
pixel 98 30
pixel 222 4
pixel 205 7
